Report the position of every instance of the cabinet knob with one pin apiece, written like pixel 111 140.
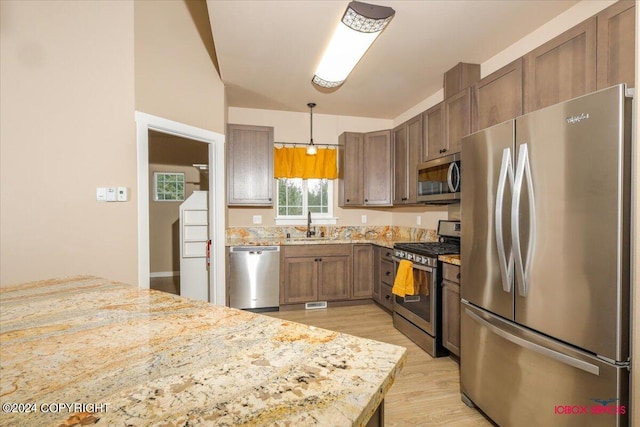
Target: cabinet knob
pixel 269 198
pixel 348 200
pixel 387 296
pixel 366 200
pixel 404 198
pixel 458 275
pixel 388 273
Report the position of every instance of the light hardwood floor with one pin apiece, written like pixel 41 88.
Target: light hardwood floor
pixel 427 391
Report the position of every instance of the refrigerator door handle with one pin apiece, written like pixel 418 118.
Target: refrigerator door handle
pixel 506 266
pixel 563 358
pixel 453 167
pixel 523 170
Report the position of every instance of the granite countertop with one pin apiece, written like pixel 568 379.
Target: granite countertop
pixel 84 349
pixel 387 243
pixel 451 259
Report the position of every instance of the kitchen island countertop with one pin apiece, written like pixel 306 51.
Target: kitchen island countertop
pixel 86 349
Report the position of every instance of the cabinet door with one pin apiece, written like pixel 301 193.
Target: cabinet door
pixel 334 278
pixel 562 68
pixel 376 163
pixel 250 165
pixel 451 317
pixel 300 280
pixel 363 275
pixel 457 114
pixel 497 97
pixel 350 180
pixel 377 280
pixel 433 135
pixel 616 45
pixel 414 140
pixel 400 153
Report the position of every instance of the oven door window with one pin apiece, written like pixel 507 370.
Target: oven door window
pixel 420 303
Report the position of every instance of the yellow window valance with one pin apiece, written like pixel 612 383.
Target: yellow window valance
pixel 294 162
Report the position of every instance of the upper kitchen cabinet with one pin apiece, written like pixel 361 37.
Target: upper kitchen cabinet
pixel 497 97
pixel 562 68
pixel 457 120
pixel 249 165
pixel 350 186
pixel 616 45
pixel 460 77
pixel 364 169
pixel 434 142
pixel 407 147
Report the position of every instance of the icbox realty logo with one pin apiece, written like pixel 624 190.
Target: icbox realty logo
pixel 603 407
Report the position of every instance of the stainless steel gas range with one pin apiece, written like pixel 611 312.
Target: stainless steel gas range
pixel 419 316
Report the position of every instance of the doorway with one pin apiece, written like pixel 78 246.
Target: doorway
pixel 177 167
pixel 147 125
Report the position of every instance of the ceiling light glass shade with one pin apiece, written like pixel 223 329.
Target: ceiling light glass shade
pixel 360 26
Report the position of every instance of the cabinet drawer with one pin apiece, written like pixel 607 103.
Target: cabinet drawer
pixel 386 254
pixel 316 250
pixel 451 272
pixel 386 298
pixel 386 272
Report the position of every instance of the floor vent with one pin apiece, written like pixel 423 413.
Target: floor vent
pixel 317 304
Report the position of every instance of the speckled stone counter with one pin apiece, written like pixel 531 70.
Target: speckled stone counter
pixel 384 236
pixel 451 259
pixel 137 357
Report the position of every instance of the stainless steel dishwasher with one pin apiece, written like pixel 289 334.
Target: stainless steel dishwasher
pixel 254 277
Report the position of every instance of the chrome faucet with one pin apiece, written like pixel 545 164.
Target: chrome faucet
pixel 309 232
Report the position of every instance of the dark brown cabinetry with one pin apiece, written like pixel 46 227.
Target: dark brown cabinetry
pixel 497 97
pixel 249 165
pixel 434 142
pixel 451 308
pixel 407 146
pixel 616 45
pixel 457 120
pixel 383 277
pixel 363 271
pixel 445 124
pixel 561 69
pixel 365 169
pixel 315 273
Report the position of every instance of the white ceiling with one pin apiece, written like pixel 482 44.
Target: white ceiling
pixel 268 50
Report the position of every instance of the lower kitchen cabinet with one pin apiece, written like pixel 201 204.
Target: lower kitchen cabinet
pixel 315 273
pixel 363 272
pixel 383 277
pixel 451 308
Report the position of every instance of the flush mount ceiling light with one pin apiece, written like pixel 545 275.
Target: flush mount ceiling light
pixel 360 26
pixel 311 149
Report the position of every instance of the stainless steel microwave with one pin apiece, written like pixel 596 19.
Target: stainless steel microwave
pixel 439 180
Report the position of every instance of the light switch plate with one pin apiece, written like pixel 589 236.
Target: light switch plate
pixel 111 194
pixel 101 194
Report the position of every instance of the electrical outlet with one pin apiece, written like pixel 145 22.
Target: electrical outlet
pixel 364 219
pixel 101 194
pixel 111 194
pixel 257 219
pixel 123 194
pixel 419 220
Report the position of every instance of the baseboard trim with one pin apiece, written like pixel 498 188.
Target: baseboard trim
pixel 164 274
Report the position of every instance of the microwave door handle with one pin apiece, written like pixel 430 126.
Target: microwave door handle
pixel 453 167
pixel 523 267
pixel 505 176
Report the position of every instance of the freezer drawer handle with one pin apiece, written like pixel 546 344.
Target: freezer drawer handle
pixel 523 170
pixel 506 176
pixel 563 358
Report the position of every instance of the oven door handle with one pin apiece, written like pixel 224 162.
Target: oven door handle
pixel 416 266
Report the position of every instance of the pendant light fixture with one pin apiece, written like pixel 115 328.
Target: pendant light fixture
pixel 311 149
pixel 360 26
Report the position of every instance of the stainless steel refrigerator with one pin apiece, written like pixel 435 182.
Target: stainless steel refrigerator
pixel 545 252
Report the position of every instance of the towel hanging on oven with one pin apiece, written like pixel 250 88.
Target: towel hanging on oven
pixel 403 283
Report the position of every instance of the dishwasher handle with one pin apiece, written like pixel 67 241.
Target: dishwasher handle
pixel 254 249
